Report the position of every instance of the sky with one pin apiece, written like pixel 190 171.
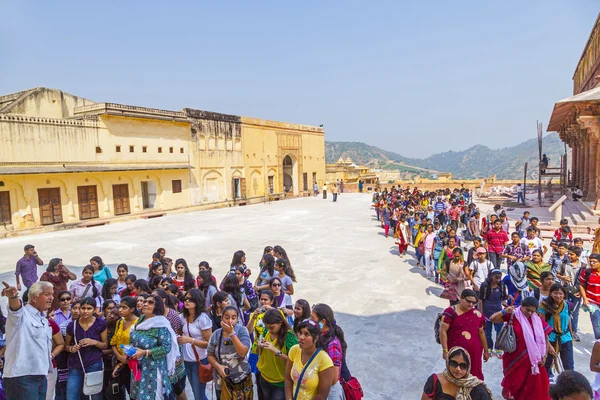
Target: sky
pixel 413 77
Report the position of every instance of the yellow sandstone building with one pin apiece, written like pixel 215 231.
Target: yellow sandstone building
pixel 69 161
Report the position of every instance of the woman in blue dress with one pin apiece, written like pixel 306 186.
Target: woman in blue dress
pixel 156 349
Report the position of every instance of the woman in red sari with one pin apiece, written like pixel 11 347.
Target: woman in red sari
pixel 525 377
pixel 402 234
pixel 463 326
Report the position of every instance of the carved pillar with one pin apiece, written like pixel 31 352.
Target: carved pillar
pixel 592 186
pixel 591 123
pixel 574 149
pixel 580 161
pixel 586 166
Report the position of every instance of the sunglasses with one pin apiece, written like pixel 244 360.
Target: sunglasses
pixel 149 302
pixel 471 301
pixel 188 299
pixel 276 285
pixel 65 299
pixel 455 364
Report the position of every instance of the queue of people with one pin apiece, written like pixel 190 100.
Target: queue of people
pixel 149 337
pixel 492 272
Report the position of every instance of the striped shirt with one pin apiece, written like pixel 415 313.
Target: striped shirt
pixel 592 291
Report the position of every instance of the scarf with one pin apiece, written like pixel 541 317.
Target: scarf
pixel 556 323
pixel 466 384
pixel 517 273
pixel 535 339
pixel 160 321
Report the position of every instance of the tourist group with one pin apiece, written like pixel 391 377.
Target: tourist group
pixel 499 277
pixel 95 336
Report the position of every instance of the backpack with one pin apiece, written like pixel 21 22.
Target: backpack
pixel 588 272
pixel 437 325
pixel 488 291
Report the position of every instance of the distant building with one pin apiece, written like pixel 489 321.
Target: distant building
pixel 66 159
pixel 577 119
pixel 349 172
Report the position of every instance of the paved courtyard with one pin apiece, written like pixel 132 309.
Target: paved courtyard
pixel 340 256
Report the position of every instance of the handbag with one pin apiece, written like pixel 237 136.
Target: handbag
pixel 205 372
pixel 506 339
pixel 302 373
pixel 92 381
pixel 352 389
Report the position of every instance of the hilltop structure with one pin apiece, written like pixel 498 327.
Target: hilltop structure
pixel 577 120
pixel 66 159
pixel 349 172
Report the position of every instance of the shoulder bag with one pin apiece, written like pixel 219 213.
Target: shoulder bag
pixel 205 372
pixel 506 339
pixel 352 389
pixel 303 371
pixel 92 381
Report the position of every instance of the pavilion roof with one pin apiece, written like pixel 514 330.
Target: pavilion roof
pixel 565 108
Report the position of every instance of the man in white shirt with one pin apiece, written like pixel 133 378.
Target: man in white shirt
pixel 480 268
pixel 28 343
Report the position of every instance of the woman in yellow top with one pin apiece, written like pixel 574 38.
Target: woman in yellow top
pixel 272 354
pixel 309 371
pixel 121 337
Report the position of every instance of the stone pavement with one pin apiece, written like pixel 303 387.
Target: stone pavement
pixel 384 304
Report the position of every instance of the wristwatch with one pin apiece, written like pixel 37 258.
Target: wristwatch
pixel 279 353
pixel 232 334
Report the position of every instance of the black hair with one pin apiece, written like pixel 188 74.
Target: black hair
pixel 156 255
pixel 28 246
pixel 231 286
pixel 154 267
pixel 159 306
pixel 271 296
pixel 218 297
pixel 198 298
pixel 570 383
pixel 594 256
pixel 534 219
pixel 205 265
pixel 549 304
pixel 129 301
pixel 188 279
pixel 578 240
pixel 313 330
pixel 267 250
pixel 142 285
pixel 537 251
pixel 2 323
pixel 282 263
pixel 269 264
pixel 53 264
pixel 90 301
pixel 206 281
pixel 468 293
pixel 237 258
pixel 515 233
pixel 169 301
pixel 323 311
pixel 544 275
pixel 93 282
pixel 155 282
pixel 106 288
pixel 282 254
pixel 98 261
pixel 131 278
pixel 107 303
pixel 231 308
pixel 576 250
pixel 64 292
pixel 274 316
pixel 530 301
pixel 124 266
pixel 305 311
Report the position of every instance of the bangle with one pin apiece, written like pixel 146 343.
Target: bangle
pixel 445 350
pixel 503 312
pixel 146 353
pixel 232 334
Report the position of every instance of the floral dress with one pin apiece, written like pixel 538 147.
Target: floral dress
pixel 157 340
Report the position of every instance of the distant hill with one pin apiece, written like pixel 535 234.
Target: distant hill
pixel 476 162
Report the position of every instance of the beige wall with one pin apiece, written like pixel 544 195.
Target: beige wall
pixel 52 103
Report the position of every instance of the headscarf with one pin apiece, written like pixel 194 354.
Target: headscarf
pixel 466 384
pixel 518 275
pixel 159 321
pixel 536 344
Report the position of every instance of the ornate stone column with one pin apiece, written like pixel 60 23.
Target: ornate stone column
pixel 592 125
pixel 574 149
pixel 586 166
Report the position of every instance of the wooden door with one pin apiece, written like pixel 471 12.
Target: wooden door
pixel 88 202
pixel 50 206
pixel 121 199
pixel 5 214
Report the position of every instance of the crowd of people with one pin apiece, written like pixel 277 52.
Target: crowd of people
pixel 98 336
pixel 495 272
